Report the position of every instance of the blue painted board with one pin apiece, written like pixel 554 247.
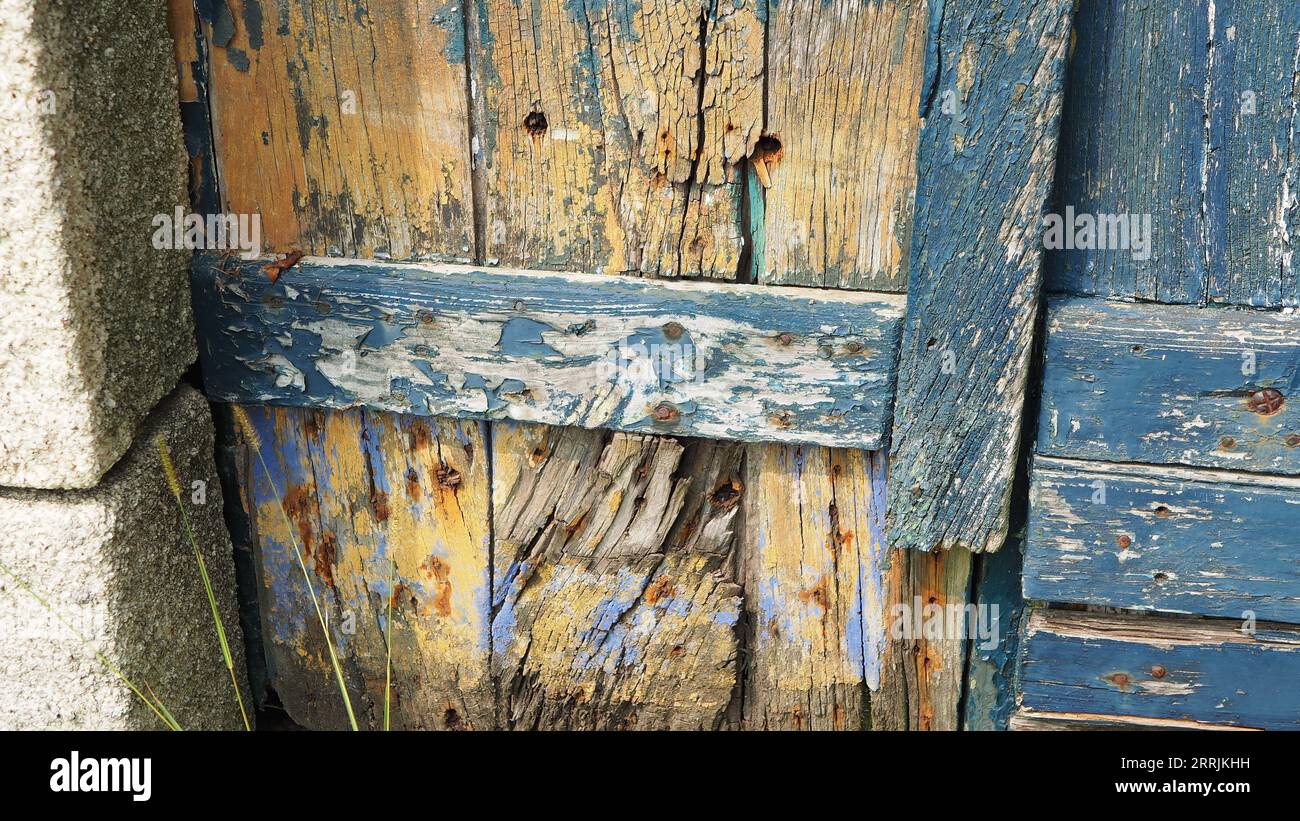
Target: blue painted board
pixel 719 361
pixel 1169 539
pixel 985 168
pixel 1183 670
pixel 1163 384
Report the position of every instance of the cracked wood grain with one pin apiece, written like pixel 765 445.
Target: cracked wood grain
pixel 355 491
pixel 612 133
pixel 843 92
pixel 1186 113
pixel 986 160
pixel 615 605
pixel 815 574
pixel 345 125
pixel 1172 671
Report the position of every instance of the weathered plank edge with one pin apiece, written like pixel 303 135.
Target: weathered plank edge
pixel 792 365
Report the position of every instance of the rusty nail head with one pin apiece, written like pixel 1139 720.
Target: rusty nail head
pixel 1158 671
pixel 1265 402
pixel 825 352
pixel 1124 541
pixel 785 338
pixel 853 346
pixel 1227 443
pixel 520 305
pixel 665 412
pixel 673 330
pixel 1293 440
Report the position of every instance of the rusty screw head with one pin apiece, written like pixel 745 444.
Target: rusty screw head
pixel 425 316
pixel 1120 680
pixel 825 352
pixel 1227 443
pixel 665 413
pixel 1158 671
pixel 1265 402
pixel 1292 440
pixel 853 346
pixel 785 338
pixel 1124 541
pixel 673 330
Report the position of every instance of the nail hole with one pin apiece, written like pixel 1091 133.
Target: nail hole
pixel 1162 512
pixel 1138 349
pixel 535 123
pixel 930 343
pixel 1160 578
pixel 768 148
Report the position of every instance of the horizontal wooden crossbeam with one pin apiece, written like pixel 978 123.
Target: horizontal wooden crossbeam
pixel 1208 542
pixel 1166 669
pixel 750 363
pixel 1164 384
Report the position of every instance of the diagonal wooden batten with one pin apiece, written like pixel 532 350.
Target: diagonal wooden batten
pixel 720 361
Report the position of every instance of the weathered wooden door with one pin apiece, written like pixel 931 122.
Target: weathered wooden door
pixel 648 493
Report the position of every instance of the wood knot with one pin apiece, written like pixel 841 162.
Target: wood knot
pixel 535 123
pixel 1265 402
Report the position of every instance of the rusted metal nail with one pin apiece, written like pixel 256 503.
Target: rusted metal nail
pixel 1158 671
pixel 423 350
pixel 1162 512
pixel 520 305
pixel 673 330
pixel 760 169
pixel 1120 680
pixel 323 307
pixel 1292 440
pixel 1265 402
pixel 785 338
pixel 665 413
pixel 1124 541
pixel 782 419
pixel 1227 443
pixel 425 316
pixel 853 346
pixel 1160 578
pixel 825 352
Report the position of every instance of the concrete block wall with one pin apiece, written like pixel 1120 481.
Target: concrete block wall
pixel 95 334
pixel 97 324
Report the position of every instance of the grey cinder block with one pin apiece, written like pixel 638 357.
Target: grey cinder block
pixel 95 323
pixel 115 563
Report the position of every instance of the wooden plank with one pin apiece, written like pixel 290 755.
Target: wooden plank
pixel 614 605
pixel 1171 385
pixel 191 52
pixel 990 694
pixel 1204 93
pixel 358 491
pixel 713 360
pixel 923 669
pixel 344 125
pixel 815 566
pixel 985 172
pixel 1027 721
pixel 843 98
pixel 612 133
pixel 1185 670
pixel 1169 539
pixel 1136 103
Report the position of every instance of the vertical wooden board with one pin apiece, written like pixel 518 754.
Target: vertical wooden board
pixel 191 54
pixel 843 92
pixel 612 133
pixel 1255 70
pixel 988 150
pixel 345 125
pixel 614 606
pixel 385 509
pixel 990 693
pixel 815 585
pixel 1133 142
